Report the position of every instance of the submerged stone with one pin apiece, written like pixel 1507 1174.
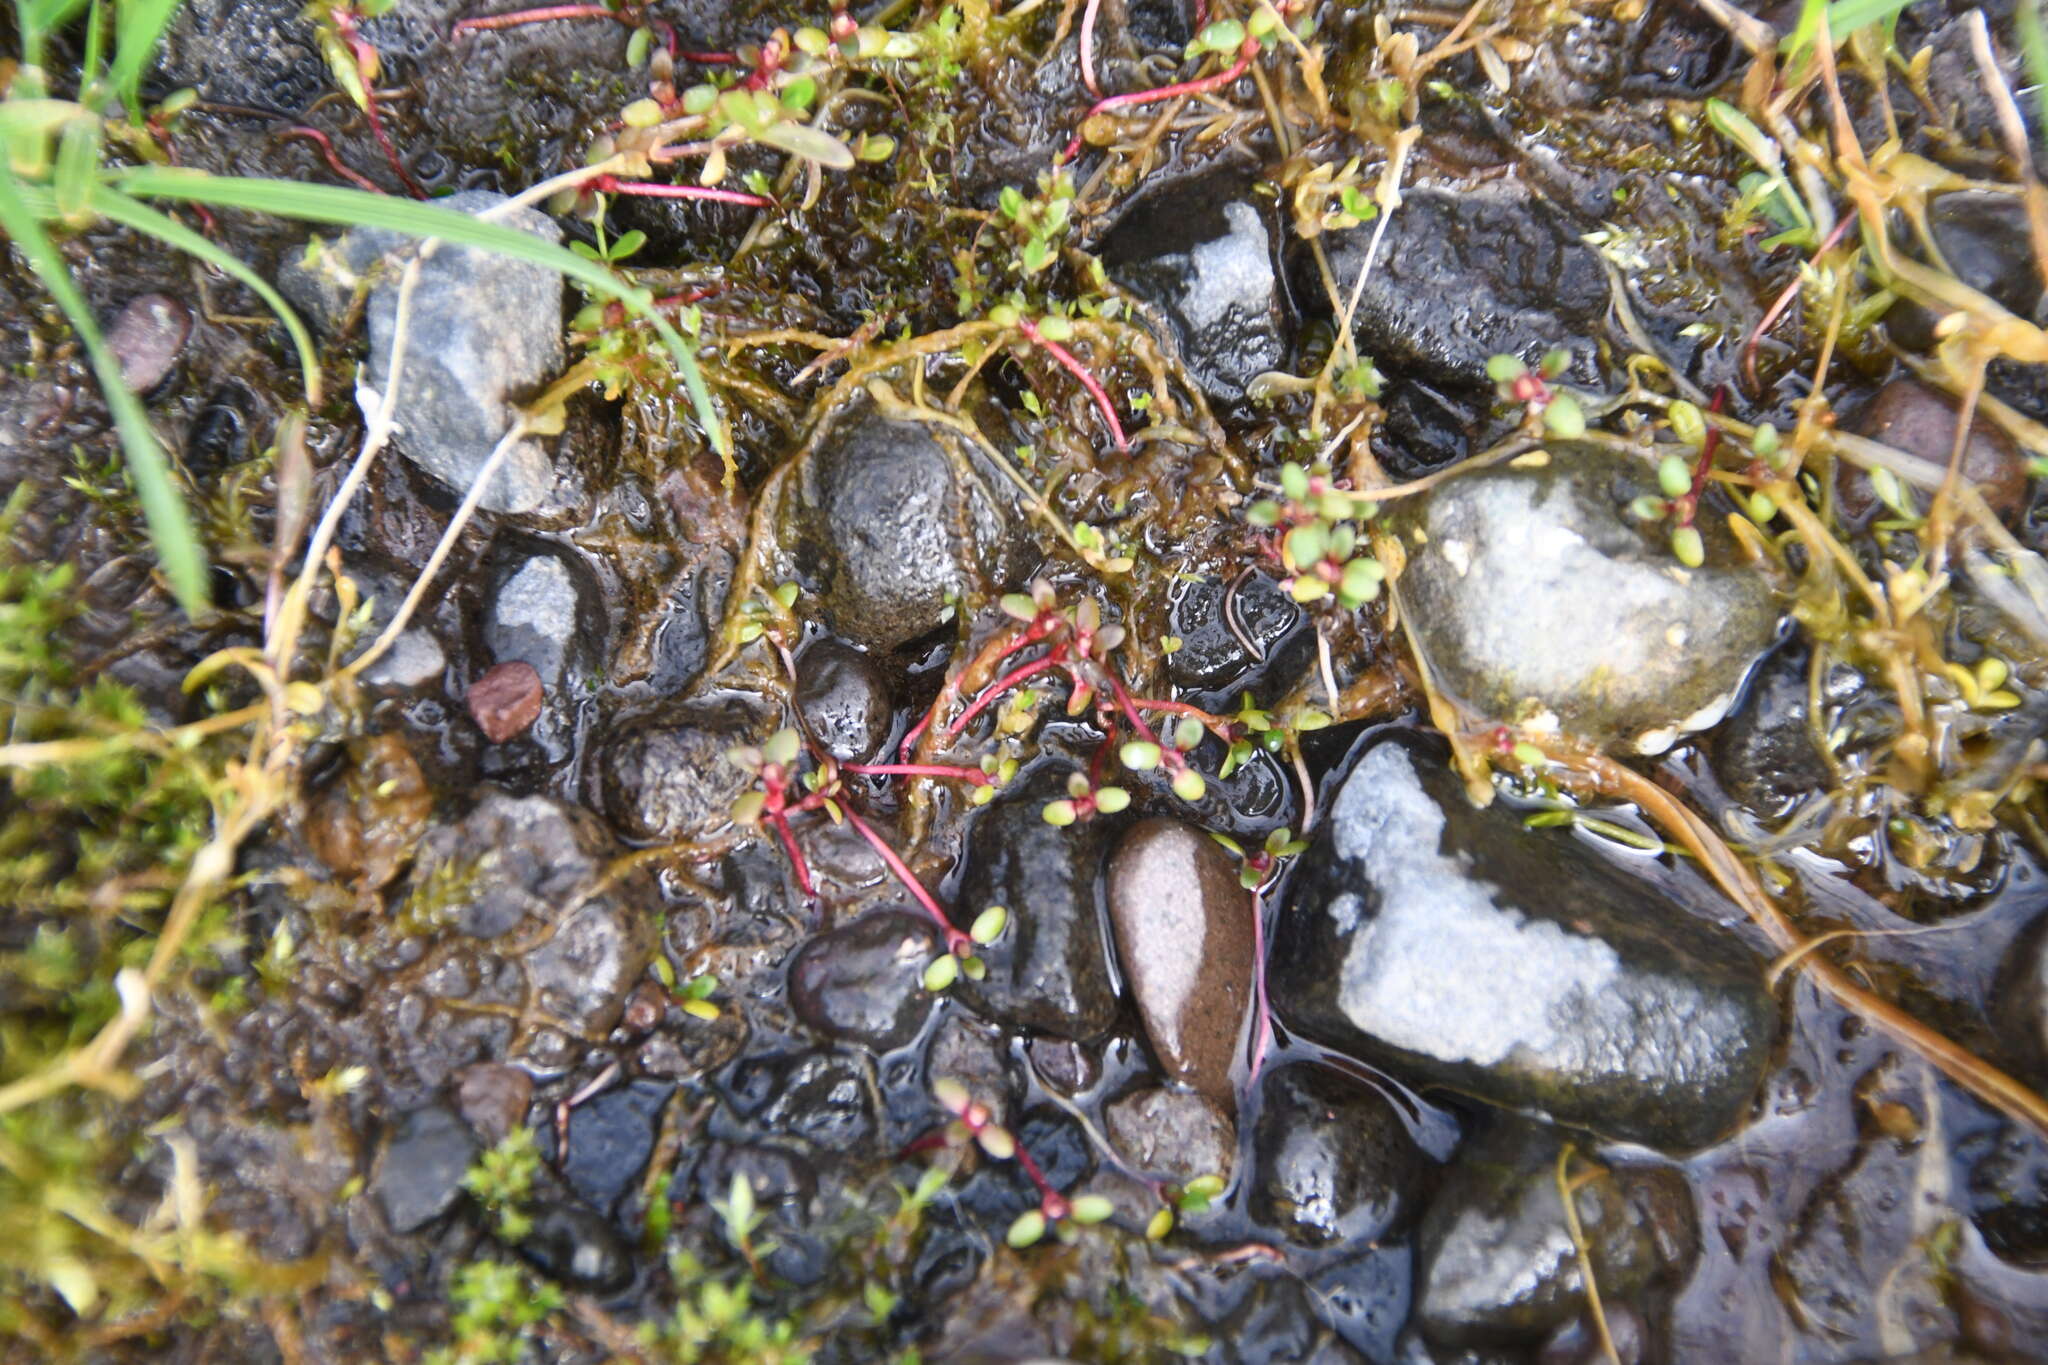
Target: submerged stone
pixel 842 697
pixel 1455 946
pixel 665 776
pixel 1183 928
pixel 1536 598
pixel 1172 1134
pixel 1495 1263
pixel 419 1175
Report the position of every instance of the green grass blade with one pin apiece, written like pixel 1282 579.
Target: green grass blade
pixel 119 208
pixel 355 208
pixel 177 547
pixel 2034 45
pixel 138 27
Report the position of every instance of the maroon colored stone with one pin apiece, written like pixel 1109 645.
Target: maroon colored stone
pixel 505 700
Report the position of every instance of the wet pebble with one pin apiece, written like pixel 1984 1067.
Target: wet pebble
pixel 1764 755
pixel 842 697
pixel 2020 1001
pixel 821 1097
pixel 1183 926
pixel 1464 273
pixel 1921 422
pixel 1332 1161
pixel 505 700
pixel 1176 1135
pixel 1202 253
pixel 1211 655
pixel 1048 971
pixel 885 531
pixel 147 337
pixel 611 1135
pixel 1535 597
pixel 864 982
pixel 419 1174
pixel 972 1053
pixel 1453 945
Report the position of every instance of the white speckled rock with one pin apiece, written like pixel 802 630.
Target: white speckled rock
pixel 1535 597
pixel 1519 967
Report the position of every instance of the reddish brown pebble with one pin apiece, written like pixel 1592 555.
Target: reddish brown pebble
pixel 493 1096
pixel 505 700
pixel 147 337
pixel 1921 422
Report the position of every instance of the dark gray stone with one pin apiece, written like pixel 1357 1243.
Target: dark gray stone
pixel 1174 1134
pixel 864 982
pixel 1202 253
pixel 578 1247
pixel 1049 971
pixel 665 776
pixel 1516 966
pixel 611 1135
pixel 1464 273
pixel 1495 1264
pixel 822 1097
pixel 883 527
pixel 419 1175
pixel 842 697
pixel 1184 939
pixel 1535 598
pixel 1332 1161
pixel 485 331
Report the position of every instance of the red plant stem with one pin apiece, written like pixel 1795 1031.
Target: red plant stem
pixel 334 161
pixel 995 689
pixel 1705 464
pixel 1088 381
pixel 366 66
pixel 956 942
pixel 538 16
pixel 1130 709
pixel 974 775
pixel 611 184
pixel 1050 1201
pixel 989 657
pixel 1167 92
pixel 796 857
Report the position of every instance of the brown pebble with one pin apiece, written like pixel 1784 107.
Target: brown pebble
pixel 493 1097
pixel 644 1008
pixel 505 700
pixel 1183 927
pixel 1921 422
pixel 147 337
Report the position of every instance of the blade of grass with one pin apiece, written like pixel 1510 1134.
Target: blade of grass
pixel 351 208
pixel 119 208
pixel 2034 46
pixel 177 546
pixel 137 31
